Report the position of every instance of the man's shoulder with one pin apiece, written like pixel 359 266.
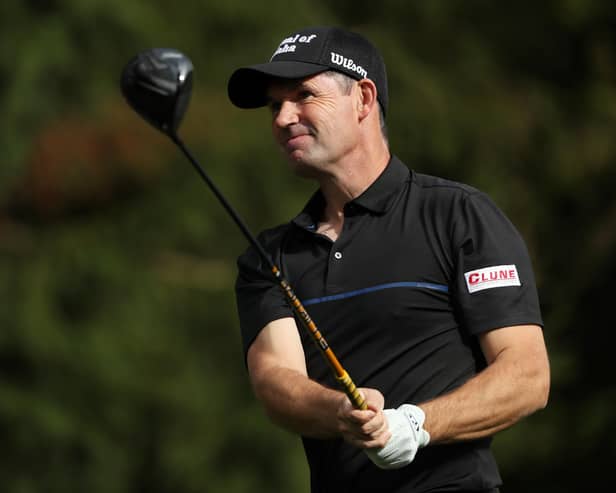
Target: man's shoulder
pixel 270 239
pixel 275 234
pixel 442 186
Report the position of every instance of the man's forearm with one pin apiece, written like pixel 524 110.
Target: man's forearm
pixel 297 403
pixel 499 396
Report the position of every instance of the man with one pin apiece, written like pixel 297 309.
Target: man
pixel 421 286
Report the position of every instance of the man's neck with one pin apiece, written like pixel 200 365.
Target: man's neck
pixel 352 178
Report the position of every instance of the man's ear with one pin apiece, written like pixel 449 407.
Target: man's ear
pixel 366 98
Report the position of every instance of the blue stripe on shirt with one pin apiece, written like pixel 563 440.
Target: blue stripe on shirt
pixel 379 287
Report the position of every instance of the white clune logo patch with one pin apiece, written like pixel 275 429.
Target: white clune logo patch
pixel 497 276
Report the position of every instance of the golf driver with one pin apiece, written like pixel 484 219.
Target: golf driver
pixel 157 84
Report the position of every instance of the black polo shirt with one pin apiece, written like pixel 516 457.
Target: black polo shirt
pixel 422 266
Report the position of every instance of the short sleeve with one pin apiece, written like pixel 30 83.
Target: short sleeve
pixel 494 280
pixel 258 296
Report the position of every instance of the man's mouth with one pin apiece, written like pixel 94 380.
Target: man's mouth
pixel 295 140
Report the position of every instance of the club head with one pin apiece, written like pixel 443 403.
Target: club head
pixel 157 84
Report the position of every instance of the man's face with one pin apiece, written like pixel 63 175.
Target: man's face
pixel 313 121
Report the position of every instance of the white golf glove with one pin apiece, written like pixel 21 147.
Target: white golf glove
pixel 407 437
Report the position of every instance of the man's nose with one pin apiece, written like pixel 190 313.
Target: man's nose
pixel 287 114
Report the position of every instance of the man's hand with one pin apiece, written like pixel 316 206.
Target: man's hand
pixel 364 429
pixel 407 436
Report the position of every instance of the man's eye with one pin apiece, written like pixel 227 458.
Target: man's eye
pixel 305 94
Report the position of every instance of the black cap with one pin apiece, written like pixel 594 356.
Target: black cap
pixel 309 52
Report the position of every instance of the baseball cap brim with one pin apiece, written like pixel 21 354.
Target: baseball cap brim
pixel 248 86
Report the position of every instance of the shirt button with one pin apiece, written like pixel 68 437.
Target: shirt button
pixel 338 255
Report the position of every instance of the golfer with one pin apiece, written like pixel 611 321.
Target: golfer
pixel 421 285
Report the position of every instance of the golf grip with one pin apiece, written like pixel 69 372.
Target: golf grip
pixel 340 373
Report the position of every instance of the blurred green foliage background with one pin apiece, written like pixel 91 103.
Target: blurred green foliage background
pixel 120 360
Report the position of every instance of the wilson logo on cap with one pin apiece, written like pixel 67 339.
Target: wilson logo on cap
pixel 349 64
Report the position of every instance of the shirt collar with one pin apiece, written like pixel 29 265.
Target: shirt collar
pixel 380 196
pixel 377 198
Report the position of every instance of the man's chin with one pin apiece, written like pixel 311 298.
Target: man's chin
pixel 301 167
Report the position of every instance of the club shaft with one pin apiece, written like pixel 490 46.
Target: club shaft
pixel 340 373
